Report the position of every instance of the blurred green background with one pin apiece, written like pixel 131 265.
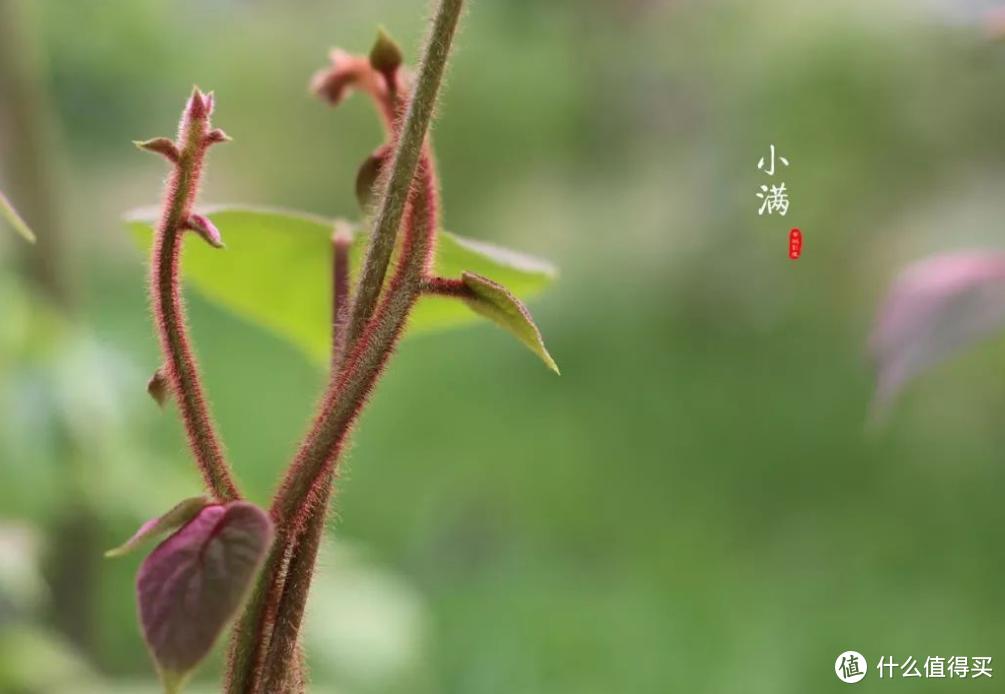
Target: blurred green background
pixel 695 505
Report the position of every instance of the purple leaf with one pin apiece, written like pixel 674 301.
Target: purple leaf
pixel 156 527
pixel 194 582
pixel 935 307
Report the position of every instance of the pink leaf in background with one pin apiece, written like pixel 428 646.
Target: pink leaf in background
pixel 155 528
pixel 935 307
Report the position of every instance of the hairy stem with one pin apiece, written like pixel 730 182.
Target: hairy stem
pixel 341 245
pixel 443 286
pixel 420 228
pixel 283 649
pixel 370 337
pixel 180 367
pixel 302 500
pixel 421 224
pixel 275 611
pixel 363 368
pixel 406 158
pixel 284 660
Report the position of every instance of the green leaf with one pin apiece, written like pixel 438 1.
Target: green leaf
pixel 276 272
pixel 8 213
pixel 496 303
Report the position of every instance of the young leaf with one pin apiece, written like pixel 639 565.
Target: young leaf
pixel 157 387
pixel 496 303
pixel 157 527
pixel 276 272
pixel 195 581
pixel 8 213
pixel 934 308
pixel 367 175
pixel 386 56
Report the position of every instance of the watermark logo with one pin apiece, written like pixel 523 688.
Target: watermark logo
pixel 851 667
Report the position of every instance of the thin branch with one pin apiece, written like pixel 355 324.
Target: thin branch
pixel 305 493
pixel 341 246
pixel 302 554
pixel 443 286
pixel 180 368
pixel 289 613
pixel 420 230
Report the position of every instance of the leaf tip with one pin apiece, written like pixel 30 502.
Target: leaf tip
pixel 180 514
pixel 217 136
pixel 202 225
pixel 199 105
pixel 159 145
pixel 498 304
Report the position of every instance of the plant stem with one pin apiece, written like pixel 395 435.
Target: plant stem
pixel 443 286
pixel 283 648
pixel 370 340
pixel 406 157
pixel 341 246
pixel 272 619
pixel 363 368
pixel 181 370
pixel 303 552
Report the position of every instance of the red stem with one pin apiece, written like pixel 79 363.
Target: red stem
pixel 180 368
pixel 287 596
pixel 376 323
pixel 341 247
pixel 443 286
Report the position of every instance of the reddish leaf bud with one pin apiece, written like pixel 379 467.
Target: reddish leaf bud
pixel 201 225
pixel 157 387
pixel 160 145
pixel 332 84
pixel 216 136
pixel 369 172
pixel 199 105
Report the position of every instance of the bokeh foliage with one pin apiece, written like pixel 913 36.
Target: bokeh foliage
pixel 695 505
